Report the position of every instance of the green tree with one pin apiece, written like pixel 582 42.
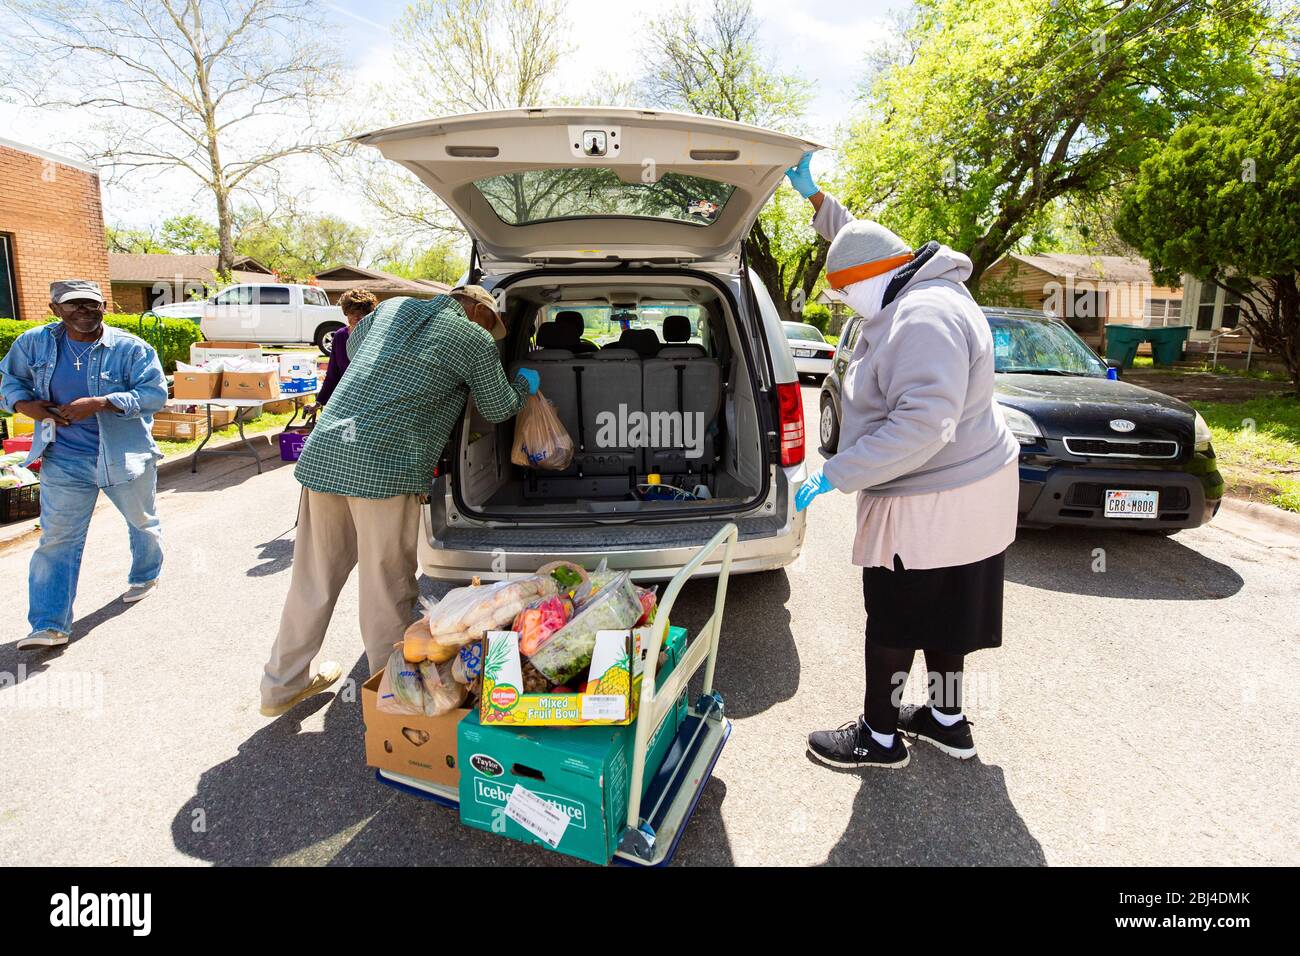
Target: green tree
pixel 994 110
pixel 189 235
pixel 220 91
pixel 713 64
pixel 135 241
pixel 441 262
pixel 298 244
pixel 1221 201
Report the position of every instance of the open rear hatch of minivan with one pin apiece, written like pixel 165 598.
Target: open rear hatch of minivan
pixel 632 222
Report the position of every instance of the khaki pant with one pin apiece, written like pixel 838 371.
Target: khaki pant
pixel 336 533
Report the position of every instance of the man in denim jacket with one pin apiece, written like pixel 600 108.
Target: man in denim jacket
pixel 93 390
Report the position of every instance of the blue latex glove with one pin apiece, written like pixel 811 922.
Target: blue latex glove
pixel 817 484
pixel 531 379
pixel 801 177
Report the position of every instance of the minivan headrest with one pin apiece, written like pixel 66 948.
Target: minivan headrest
pixel 549 355
pixel 677 328
pixel 570 319
pixel 643 341
pixel 551 336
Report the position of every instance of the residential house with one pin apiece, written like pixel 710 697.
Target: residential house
pixel 51 227
pixel 1087 292
pixel 142 281
pixel 384 285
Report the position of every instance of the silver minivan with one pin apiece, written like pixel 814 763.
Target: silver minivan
pixel 613 241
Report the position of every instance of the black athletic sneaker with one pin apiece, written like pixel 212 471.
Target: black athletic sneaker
pixel 853 746
pixel 955 741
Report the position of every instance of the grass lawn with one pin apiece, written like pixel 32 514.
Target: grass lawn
pixel 1258 445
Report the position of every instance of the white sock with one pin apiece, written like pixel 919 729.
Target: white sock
pixel 947 719
pixel 885 740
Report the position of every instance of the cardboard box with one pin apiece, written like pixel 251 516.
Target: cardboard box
pixel 179 426
pixel 200 385
pixel 201 352
pixel 21 425
pixel 297 365
pixel 298 386
pixel 584 773
pixel 251 385
pixel 504 701
pixel 418 746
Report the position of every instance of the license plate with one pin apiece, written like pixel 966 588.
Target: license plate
pixel 1132 504
pixel 804 353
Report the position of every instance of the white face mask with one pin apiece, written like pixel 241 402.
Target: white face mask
pixel 865 297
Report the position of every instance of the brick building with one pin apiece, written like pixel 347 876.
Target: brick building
pixel 51 227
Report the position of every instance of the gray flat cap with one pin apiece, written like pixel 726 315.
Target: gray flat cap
pixel 65 290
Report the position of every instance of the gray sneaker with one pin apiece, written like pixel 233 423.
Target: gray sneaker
pixel 138 592
pixel 46 638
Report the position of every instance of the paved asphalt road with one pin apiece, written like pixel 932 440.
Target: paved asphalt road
pixel 1144 714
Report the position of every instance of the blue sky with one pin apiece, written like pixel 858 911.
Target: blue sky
pixel 824 40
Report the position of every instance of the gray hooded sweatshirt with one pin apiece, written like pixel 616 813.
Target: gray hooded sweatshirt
pixel 917 396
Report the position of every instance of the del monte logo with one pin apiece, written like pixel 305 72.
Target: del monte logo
pixel 504 696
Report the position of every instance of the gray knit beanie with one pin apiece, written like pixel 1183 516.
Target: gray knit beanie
pixel 859 243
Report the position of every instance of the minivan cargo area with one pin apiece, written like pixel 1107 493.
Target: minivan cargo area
pixel 655 384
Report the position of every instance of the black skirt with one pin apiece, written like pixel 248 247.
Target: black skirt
pixel 951 610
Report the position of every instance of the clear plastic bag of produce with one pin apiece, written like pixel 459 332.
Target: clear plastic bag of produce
pixel 536 623
pixel 442 693
pixel 465 614
pixel 540 437
pixel 616 607
pixel 400 691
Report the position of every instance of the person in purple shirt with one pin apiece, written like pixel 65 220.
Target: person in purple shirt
pixel 356 305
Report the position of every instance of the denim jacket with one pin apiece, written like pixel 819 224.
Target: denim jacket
pixel 123 368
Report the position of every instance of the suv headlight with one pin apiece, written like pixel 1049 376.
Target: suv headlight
pixel 1203 435
pixel 1022 426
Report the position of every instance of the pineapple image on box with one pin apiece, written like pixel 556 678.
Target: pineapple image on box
pixel 617 678
pixel 501 673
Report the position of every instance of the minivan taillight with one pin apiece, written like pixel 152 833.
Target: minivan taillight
pixel 789 400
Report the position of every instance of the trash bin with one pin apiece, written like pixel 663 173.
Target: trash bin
pixel 1167 343
pixel 1122 343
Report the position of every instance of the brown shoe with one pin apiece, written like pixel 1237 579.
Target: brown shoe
pixel 329 672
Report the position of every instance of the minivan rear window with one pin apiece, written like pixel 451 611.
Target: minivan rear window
pixel 544 195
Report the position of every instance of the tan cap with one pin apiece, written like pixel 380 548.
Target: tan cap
pixel 484 298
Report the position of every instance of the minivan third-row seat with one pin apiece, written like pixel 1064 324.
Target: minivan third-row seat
pixel 680 379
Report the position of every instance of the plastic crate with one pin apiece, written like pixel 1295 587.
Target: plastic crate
pixel 17 504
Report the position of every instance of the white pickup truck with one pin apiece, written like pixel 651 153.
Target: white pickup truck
pixel 269 313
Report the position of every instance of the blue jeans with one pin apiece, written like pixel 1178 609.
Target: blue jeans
pixel 69 491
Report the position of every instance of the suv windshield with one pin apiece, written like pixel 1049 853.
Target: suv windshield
pixel 1040 346
pixel 801 332
pixel 540 195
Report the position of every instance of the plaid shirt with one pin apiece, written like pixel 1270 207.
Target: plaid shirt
pixel 412 364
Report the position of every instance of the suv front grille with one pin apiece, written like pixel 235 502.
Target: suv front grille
pixel 1121 448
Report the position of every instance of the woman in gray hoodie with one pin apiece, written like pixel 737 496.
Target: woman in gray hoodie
pixel 935 468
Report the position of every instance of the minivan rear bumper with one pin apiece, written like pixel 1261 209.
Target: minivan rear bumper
pixel 460 554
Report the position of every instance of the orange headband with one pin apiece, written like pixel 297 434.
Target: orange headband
pixel 845 277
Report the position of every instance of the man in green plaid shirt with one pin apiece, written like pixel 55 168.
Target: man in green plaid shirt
pixel 412 365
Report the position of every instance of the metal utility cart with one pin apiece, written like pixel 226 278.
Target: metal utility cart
pixel 657 820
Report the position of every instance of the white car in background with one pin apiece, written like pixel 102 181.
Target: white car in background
pixel 812 354
pixel 266 313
